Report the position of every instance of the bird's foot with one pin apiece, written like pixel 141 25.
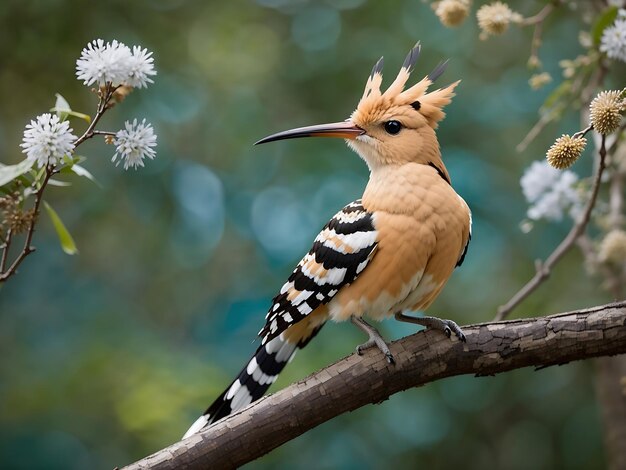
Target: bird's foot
pixel 375 339
pixel 447 326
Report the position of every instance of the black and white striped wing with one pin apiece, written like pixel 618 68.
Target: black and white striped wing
pixel 340 252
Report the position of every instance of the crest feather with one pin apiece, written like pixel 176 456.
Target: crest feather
pixel 439 70
pixel 372 87
pixel 432 104
pixel 405 72
pixel 374 102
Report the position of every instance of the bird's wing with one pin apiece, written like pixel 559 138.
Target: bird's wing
pixel 468 239
pixel 340 252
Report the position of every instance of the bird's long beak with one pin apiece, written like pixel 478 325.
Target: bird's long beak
pixel 343 130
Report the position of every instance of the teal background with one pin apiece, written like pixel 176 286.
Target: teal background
pixel 111 354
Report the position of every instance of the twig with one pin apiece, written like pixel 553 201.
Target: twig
pixel 535 42
pixel 583 133
pixel 537 21
pixel 6 246
pixel 103 133
pixel 422 358
pixel 544 268
pixel 549 114
pixel 105 97
pixel 27 248
pixel 536 129
pixel 539 17
pixel 103 101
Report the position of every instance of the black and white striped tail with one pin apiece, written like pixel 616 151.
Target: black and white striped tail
pixel 339 254
pixel 252 382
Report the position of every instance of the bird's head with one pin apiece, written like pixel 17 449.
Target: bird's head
pixel 392 127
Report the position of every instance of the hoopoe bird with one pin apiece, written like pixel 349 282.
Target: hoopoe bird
pixel 383 255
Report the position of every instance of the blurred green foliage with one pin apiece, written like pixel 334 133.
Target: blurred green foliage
pixel 109 355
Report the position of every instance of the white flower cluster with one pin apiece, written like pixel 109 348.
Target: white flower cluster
pixel 134 143
pixel 614 38
pixel 550 192
pixel 115 63
pixel 47 140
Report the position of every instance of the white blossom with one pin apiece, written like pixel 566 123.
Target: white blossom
pixel 47 140
pixel 614 39
pixel 134 143
pixel 102 62
pixel 115 63
pixel 550 192
pixel 140 67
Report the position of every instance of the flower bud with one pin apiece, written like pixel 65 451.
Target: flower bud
pixel 606 110
pixel 495 18
pixel 452 12
pixel 565 151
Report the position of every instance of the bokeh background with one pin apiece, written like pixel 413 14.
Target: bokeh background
pixel 110 355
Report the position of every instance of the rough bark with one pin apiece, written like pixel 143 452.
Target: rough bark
pixel 424 357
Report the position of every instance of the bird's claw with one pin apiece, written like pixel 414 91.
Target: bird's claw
pixel 390 358
pixel 362 347
pixel 382 346
pixel 374 340
pixel 451 327
pixel 446 326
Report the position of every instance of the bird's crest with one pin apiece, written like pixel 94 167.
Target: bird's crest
pixel 374 103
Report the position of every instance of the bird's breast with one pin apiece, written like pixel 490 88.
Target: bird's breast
pixel 422 226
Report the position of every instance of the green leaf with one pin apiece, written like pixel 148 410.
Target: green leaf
pixel 76 114
pixel 85 117
pixel 79 159
pixel 39 176
pixel 53 182
pixel 82 171
pixel 9 172
pixel 604 20
pixel 61 107
pixel 68 160
pixel 63 110
pixel 67 242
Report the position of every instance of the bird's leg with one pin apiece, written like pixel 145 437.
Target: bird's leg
pixel 375 339
pixel 447 326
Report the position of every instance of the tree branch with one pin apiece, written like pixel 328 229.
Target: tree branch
pixel 537 21
pixel 105 95
pixel 424 357
pixel 544 268
pixel 27 248
pixel 6 246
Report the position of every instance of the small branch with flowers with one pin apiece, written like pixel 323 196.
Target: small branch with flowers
pixel 544 268
pixel 550 188
pixel 50 147
pixel 548 199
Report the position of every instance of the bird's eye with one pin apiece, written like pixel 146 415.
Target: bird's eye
pixel 393 127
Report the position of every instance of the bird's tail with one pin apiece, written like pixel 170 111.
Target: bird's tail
pixel 255 378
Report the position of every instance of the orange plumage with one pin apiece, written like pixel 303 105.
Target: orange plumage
pixel 383 255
